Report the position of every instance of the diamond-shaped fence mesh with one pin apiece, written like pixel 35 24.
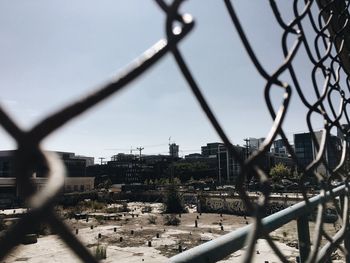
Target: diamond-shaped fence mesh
pixel 327 49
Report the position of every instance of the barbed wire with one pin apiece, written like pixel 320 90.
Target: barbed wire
pixel 327 51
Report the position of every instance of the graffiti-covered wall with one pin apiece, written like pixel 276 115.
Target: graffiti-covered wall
pixel 234 205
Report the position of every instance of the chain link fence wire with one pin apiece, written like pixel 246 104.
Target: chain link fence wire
pixel 327 51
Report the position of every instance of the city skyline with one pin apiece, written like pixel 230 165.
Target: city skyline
pixel 53 54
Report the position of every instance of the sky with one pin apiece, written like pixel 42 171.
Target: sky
pixel 54 52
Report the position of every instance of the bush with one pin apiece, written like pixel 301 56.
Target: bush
pixel 125 207
pixel 280 171
pixel 100 219
pixel 174 201
pixel 171 220
pixel 152 219
pixel 94 205
pixel 112 210
pixel 100 252
pixel 70 214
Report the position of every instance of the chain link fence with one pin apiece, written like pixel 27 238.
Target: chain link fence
pixel 328 52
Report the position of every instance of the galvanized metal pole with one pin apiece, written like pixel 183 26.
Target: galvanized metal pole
pixel 225 245
pixel 219 164
pixel 227 165
pixel 347 235
pixel 303 237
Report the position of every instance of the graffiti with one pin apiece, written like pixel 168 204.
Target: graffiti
pixel 236 206
pixel 214 204
pixel 190 199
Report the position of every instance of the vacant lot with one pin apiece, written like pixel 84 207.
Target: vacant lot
pixel 141 234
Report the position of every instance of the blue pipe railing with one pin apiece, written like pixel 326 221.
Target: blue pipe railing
pixel 225 245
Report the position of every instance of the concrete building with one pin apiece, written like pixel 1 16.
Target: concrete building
pixel 76 179
pixel 255 143
pixel 279 148
pixel 174 150
pixel 79 184
pixel 193 156
pixel 9 194
pixel 75 166
pixel 88 160
pixel 211 149
pixel 123 168
pixel 227 167
pixel 281 158
pixel 306 150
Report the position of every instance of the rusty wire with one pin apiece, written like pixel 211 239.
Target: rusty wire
pixel 328 52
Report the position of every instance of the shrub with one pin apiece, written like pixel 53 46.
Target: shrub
pixel 152 219
pixel 95 205
pixel 171 220
pixel 100 252
pixel 69 214
pixel 111 210
pixel 125 207
pixel 280 171
pixel 100 219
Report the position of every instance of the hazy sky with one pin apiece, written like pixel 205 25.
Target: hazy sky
pixel 52 52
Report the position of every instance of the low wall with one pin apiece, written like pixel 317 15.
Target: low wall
pixel 234 205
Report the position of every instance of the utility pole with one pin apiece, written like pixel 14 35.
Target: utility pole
pixel 140 150
pixel 171 153
pixel 101 158
pixel 247 142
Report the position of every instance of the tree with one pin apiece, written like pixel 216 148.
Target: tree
pixel 176 181
pixel 280 171
pixel 185 170
pixel 106 184
pixel 173 201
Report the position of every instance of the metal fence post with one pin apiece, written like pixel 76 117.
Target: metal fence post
pixel 347 234
pixel 303 237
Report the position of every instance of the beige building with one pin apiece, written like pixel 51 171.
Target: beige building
pixel 79 184
pixel 71 184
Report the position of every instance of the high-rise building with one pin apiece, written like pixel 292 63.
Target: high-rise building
pixel 227 166
pixel 279 147
pixel 211 149
pixel 174 150
pixel 306 150
pixel 255 143
pixel 76 167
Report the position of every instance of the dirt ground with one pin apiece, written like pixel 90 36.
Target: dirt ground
pixel 143 237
